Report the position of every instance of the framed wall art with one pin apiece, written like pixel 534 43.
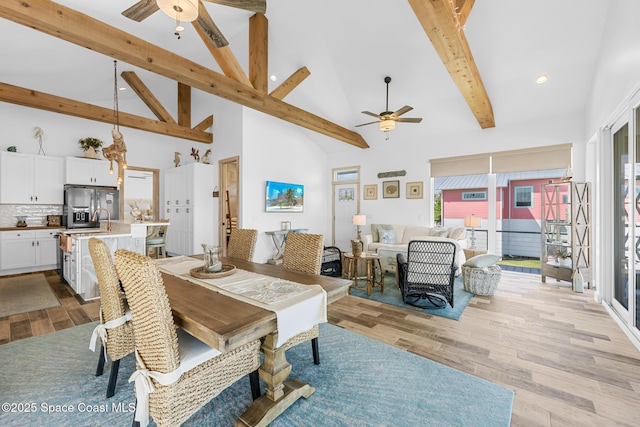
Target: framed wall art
pixel 390 189
pixel 414 190
pixel 284 197
pixel 371 192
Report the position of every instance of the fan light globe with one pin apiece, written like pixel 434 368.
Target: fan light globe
pixel 387 125
pixel 181 10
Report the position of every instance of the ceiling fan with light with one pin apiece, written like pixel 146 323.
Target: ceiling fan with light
pixel 387 119
pixel 188 11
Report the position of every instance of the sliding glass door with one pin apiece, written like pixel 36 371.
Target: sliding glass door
pixel 626 219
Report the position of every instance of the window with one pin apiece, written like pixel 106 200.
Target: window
pixel 523 197
pixel 350 174
pixel 474 195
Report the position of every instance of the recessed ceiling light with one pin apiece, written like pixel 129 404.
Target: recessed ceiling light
pixel 122 88
pixel 273 78
pixel 542 78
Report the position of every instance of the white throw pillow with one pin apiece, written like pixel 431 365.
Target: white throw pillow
pixel 387 236
pixel 482 261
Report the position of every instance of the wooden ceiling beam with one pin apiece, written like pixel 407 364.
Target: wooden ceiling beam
pixel 439 22
pixel 219 47
pixel 184 105
pixel 463 7
pixel 72 26
pixel 290 84
pixel 147 96
pixel 259 52
pixel 204 124
pixel 44 101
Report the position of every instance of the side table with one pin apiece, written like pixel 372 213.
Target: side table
pixel 371 260
pixel 279 238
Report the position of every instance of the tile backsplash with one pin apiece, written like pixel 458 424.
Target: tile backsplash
pixel 36 214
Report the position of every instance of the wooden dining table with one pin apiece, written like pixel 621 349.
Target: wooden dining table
pixel 226 323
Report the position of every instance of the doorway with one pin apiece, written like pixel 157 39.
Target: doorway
pixel 140 188
pixel 229 205
pixel 346 204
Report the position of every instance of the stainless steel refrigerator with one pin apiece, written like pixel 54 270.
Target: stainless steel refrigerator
pixel 80 203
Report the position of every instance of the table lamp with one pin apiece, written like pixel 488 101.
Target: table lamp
pixel 356 245
pixel 472 221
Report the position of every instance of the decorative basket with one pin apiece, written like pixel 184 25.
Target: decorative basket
pixel 199 273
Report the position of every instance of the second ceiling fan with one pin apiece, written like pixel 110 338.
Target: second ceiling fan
pixel 387 119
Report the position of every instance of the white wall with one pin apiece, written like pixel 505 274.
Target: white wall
pixel 274 150
pixel 618 67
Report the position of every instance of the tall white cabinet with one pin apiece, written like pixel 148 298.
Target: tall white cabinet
pixel 189 206
pixel 28 179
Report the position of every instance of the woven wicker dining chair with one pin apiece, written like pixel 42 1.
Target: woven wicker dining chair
pixel 115 331
pixel 303 254
pixel 191 378
pixel 242 243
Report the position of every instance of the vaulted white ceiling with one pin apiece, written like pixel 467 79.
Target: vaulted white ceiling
pixel 349 47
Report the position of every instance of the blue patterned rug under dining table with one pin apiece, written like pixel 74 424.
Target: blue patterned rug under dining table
pixel 360 382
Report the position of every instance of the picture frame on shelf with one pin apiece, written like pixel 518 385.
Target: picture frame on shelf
pixel 415 190
pixel 390 189
pixel 371 192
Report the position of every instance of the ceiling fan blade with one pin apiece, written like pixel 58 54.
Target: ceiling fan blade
pixel 141 10
pixel 410 120
pixel 205 22
pixel 401 111
pixel 370 123
pixel 257 6
pixel 369 113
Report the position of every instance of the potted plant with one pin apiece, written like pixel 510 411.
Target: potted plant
pixel 90 146
pixel 563 257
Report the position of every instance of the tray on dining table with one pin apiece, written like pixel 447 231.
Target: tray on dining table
pixel 199 273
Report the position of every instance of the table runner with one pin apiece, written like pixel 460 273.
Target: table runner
pixel 298 307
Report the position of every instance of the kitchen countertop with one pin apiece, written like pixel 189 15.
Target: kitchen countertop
pixel 37 227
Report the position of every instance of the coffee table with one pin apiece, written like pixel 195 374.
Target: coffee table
pixel 371 260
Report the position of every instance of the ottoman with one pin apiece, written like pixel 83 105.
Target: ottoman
pixel 481 280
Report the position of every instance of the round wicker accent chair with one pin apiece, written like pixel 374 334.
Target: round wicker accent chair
pixel 481 280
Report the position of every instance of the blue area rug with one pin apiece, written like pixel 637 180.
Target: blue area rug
pixel 360 382
pixel 392 295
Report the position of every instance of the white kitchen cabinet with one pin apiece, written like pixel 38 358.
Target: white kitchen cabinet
pixel 28 179
pixel 83 171
pixel 28 250
pixel 189 206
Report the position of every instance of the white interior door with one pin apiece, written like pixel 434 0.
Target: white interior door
pixel 345 206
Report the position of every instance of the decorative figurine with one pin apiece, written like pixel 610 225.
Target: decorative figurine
pixel 205 157
pixel 195 153
pixel 176 159
pixel 38 133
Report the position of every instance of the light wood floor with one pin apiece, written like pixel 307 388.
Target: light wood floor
pixel 566 359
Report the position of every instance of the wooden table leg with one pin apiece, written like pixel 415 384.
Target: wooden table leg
pixel 370 278
pixel 280 393
pixel 381 275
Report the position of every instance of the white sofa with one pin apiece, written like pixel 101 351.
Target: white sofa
pixel 390 239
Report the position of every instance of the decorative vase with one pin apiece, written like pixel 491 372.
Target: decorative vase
pixel 212 263
pixel 356 247
pixel 91 153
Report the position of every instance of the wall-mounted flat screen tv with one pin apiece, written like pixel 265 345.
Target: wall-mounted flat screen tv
pixel 284 197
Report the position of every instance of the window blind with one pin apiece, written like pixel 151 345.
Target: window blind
pixel 461 165
pixel 531 159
